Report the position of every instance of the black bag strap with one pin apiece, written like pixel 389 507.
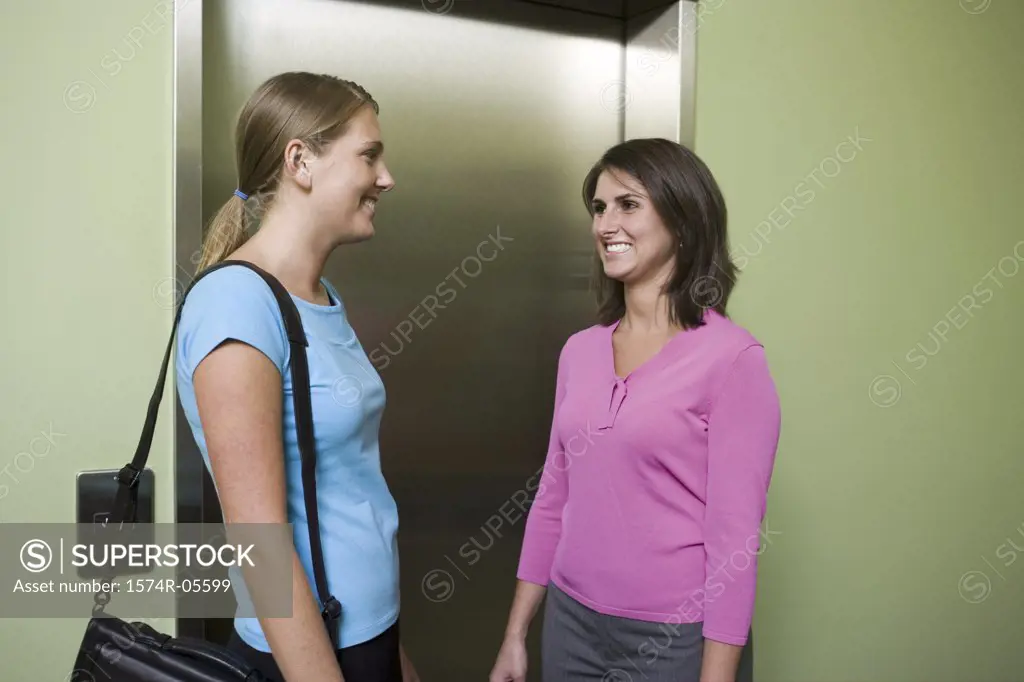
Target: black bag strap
pixel 126 502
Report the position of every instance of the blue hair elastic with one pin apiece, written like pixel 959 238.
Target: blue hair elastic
pixel 241 195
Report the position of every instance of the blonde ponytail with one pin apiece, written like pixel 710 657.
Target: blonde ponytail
pixel 225 233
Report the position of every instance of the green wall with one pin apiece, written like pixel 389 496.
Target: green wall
pixel 86 236
pixel 900 472
pixel 899 477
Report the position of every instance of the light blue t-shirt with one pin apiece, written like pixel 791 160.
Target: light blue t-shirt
pixel 358 515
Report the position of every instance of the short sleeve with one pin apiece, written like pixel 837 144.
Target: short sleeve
pixel 232 303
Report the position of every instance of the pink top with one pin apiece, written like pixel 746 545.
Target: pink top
pixel 654 487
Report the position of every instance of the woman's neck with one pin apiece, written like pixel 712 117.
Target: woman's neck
pixel 288 251
pixel 647 309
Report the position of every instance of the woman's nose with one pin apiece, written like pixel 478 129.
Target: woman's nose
pixel 608 226
pixel 385 181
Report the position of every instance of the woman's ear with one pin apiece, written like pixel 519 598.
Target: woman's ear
pixel 296 166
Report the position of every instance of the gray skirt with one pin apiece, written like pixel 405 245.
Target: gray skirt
pixel 579 644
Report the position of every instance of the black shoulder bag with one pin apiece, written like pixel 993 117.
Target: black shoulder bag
pixel 153 656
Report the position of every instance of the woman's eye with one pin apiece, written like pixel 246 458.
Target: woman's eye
pixel 629 204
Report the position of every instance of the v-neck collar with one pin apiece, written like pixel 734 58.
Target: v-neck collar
pixel 652 363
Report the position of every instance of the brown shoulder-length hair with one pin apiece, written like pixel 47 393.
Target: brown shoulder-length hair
pixel 690 204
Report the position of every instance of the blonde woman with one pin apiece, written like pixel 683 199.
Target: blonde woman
pixel 311 170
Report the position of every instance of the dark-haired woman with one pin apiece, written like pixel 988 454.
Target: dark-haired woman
pixel 645 530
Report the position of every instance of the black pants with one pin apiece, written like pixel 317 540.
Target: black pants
pixel 376 660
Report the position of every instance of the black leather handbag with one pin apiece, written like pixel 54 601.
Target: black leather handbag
pixel 114 650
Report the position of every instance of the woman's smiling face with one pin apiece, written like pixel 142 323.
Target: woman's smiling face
pixel 632 240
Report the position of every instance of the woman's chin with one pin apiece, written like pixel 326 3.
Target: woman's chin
pixel 365 226
pixel 617 271
pixel 361 231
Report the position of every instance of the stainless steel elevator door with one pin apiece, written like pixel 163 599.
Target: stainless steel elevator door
pixel 490 124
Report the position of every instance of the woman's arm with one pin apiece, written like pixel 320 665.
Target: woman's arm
pixel 743 433
pixel 524 607
pixel 409 673
pixel 720 661
pixel 239 397
pixel 544 520
pixel 511 663
pixel 543 529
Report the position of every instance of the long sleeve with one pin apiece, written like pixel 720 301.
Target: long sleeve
pixel 544 523
pixel 743 434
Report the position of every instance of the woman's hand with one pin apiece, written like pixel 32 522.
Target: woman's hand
pixel 511 663
pixel 409 673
